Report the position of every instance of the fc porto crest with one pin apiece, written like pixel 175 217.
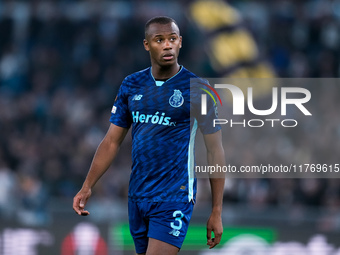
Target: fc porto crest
pixel 176 100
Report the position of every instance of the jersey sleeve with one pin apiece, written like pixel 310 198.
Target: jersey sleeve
pixel 204 122
pixel 120 114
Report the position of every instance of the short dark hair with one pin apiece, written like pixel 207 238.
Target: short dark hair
pixel 158 20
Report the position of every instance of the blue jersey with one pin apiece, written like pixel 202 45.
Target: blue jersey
pixel 163 134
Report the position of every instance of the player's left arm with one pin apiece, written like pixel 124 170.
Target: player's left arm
pixel 215 151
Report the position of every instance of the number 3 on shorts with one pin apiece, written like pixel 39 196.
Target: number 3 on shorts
pixel 178 215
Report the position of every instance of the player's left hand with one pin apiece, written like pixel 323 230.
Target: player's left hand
pixel 80 200
pixel 214 224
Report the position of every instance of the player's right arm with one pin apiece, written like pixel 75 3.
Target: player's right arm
pixel 105 154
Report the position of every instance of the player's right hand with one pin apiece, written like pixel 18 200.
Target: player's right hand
pixel 80 200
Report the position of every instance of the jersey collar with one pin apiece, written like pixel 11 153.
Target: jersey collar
pixel 160 83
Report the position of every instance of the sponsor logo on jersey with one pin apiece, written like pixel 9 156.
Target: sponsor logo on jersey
pixel 176 100
pixel 157 118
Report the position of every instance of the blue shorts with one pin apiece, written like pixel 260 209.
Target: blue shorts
pixel 164 221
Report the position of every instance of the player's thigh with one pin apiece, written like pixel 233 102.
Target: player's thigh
pixel 157 247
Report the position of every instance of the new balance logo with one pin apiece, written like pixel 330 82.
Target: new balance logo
pixel 137 97
pixel 174 232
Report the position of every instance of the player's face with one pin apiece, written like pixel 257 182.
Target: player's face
pixel 163 43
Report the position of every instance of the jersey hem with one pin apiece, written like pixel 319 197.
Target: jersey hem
pixel 184 200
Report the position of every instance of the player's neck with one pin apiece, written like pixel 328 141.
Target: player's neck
pixel 164 72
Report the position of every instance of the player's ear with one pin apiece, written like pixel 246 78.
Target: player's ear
pixel 180 42
pixel 146 45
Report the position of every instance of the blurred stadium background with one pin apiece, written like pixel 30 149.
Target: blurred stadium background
pixel 61 64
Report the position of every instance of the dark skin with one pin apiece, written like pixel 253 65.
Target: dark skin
pixel 163 42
